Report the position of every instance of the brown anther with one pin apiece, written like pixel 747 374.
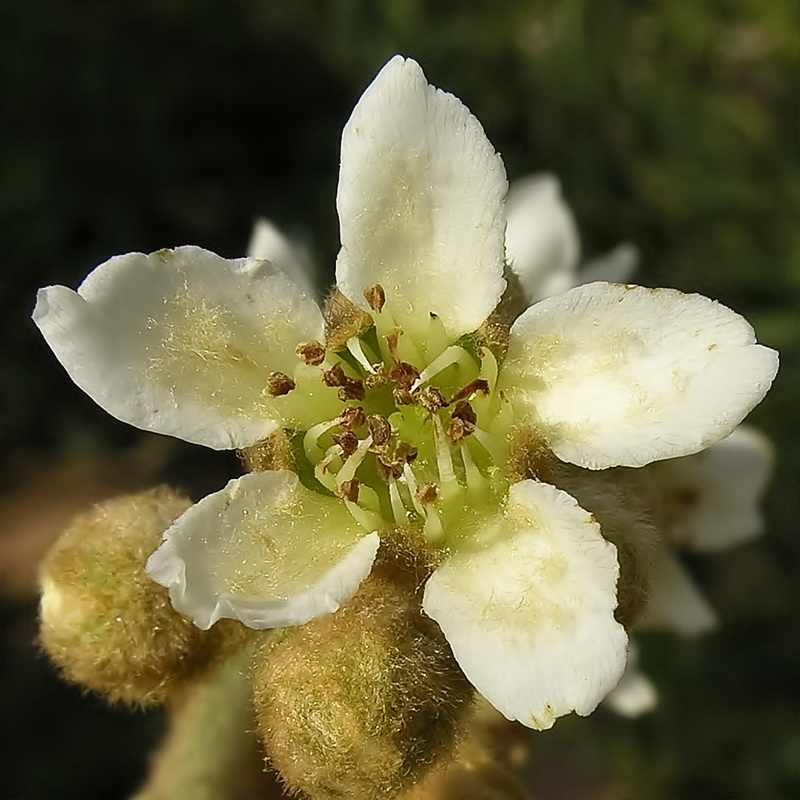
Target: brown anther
pixel 375 296
pixel 391 342
pixel 405 452
pixel 347 440
pixel 458 429
pixel 349 388
pixel 404 375
pixel 426 493
pixel 311 353
pixel 349 490
pixel 379 429
pixel 334 376
pixel 402 397
pixel 377 378
pixel 431 399
pixel 279 384
pixel 388 468
pixel 352 390
pixel 352 418
pixel 479 385
pixel 465 412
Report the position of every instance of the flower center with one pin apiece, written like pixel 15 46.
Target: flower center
pixel 416 441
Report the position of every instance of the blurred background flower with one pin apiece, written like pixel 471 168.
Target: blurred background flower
pixel 133 126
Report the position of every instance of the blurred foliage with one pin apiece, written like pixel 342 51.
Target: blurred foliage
pixel 138 125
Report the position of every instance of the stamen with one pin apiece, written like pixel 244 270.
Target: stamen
pixel 321 470
pixel 476 483
pixel 431 399
pixel 426 493
pixel 489 367
pixel 348 471
pixel 368 520
pixel 311 353
pixel 471 389
pixel 398 509
pixel 380 429
pixel 405 375
pixel 352 418
pixel 453 355
pixel 411 482
pixel 279 384
pixel 355 346
pixel 375 297
pixel 313 434
pixel 444 462
pixel 433 530
pixel 437 338
pixel 349 490
pixel 347 440
pixel 488 445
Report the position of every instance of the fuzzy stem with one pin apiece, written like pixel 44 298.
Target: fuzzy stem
pixel 210 752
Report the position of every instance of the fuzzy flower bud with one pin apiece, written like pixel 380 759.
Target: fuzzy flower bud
pixel 105 623
pixel 364 702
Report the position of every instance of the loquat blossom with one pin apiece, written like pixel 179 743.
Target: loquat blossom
pixel 400 406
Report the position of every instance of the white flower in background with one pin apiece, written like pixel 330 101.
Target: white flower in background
pixel 408 425
pixel 269 243
pixel 542 243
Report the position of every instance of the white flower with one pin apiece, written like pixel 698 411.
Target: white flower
pixel 543 246
pixel 408 425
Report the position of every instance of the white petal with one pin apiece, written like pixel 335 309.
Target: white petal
pixel 616 266
pixel 622 375
pixel 264 550
pixel 182 341
pixel 635 694
pixel 268 243
pixel 420 203
pixel 710 500
pixel 542 244
pixel 675 603
pixel 527 602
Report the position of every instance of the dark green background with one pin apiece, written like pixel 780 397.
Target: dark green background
pixel 139 125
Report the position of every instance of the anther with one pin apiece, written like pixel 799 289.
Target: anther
pixel 312 353
pixel 388 468
pixel 431 399
pixel 334 376
pixel 465 412
pixel 380 430
pixel 352 418
pixel 426 493
pixel 458 429
pixel 402 397
pixel 471 389
pixel 354 390
pixel 348 441
pixel 404 375
pixel 391 342
pixel 348 490
pixel 375 297
pixel 349 388
pixel 279 384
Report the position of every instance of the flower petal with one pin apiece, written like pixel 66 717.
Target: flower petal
pixel 621 375
pixel 527 602
pixel 182 341
pixel 264 550
pixel 542 244
pixel 420 203
pixel 268 243
pixel 675 603
pixel 635 694
pixel 710 500
pixel 616 266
